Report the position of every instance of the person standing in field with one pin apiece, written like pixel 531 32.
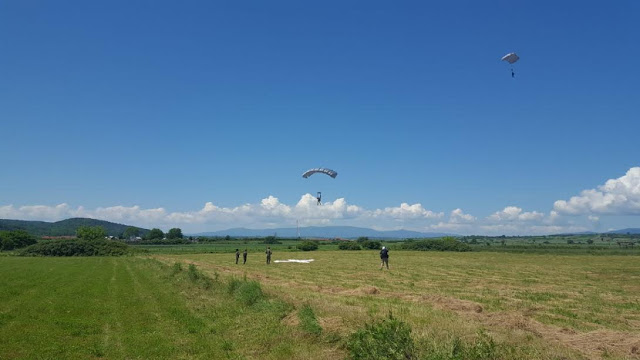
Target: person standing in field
pixel 244 257
pixel 237 255
pixel 384 256
pixel 268 252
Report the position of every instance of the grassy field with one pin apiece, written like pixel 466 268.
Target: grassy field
pixel 224 247
pixel 533 305
pixel 123 308
pixel 173 305
pixel 525 245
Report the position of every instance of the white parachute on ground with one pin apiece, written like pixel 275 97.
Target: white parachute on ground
pixel 304 261
pixel 511 58
pixel 326 171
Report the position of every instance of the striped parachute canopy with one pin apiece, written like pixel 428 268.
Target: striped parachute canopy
pixel 511 58
pixel 325 171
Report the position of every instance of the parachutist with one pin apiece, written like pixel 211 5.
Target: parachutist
pixel 325 171
pixel 511 58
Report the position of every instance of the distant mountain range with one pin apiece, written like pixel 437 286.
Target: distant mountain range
pixel 626 231
pixel 66 227
pixel 577 233
pixel 347 232
pixel 621 231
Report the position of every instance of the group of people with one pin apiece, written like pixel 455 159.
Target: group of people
pixel 384 256
pixel 244 256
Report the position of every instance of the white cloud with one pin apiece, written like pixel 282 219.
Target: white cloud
pixel 528 229
pixel 514 213
pixel 458 216
pixel 406 211
pixel 619 196
pixel 39 212
pixel 270 212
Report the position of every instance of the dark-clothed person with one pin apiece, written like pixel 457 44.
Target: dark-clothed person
pixel 244 257
pixel 268 252
pixel 384 256
pixel 237 255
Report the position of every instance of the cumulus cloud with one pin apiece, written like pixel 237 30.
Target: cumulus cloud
pixel 514 213
pixel 619 196
pixel 39 212
pixel 458 216
pixel 451 227
pixel 270 212
pixel 538 229
pixel 406 211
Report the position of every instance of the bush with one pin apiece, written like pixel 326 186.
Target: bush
pixel 233 285
pixel 77 247
pixel 349 246
pixel 444 244
pixel 155 234
pixel 271 240
pixel 175 241
pixel 387 339
pixel 194 273
pixel 175 233
pixel 307 246
pixel 16 239
pixel 247 292
pixel 91 232
pixel 196 276
pixel 372 245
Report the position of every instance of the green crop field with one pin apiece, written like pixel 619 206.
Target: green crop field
pixel 170 304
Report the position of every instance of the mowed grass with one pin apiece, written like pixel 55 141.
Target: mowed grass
pixel 534 305
pixel 132 307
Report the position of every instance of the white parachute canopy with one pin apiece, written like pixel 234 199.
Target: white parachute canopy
pixel 325 171
pixel 511 58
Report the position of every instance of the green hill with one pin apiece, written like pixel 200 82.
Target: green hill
pixel 64 227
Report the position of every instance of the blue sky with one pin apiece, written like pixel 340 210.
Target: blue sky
pixel 142 112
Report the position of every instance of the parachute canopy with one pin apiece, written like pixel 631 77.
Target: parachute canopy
pixel 511 58
pixel 329 172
